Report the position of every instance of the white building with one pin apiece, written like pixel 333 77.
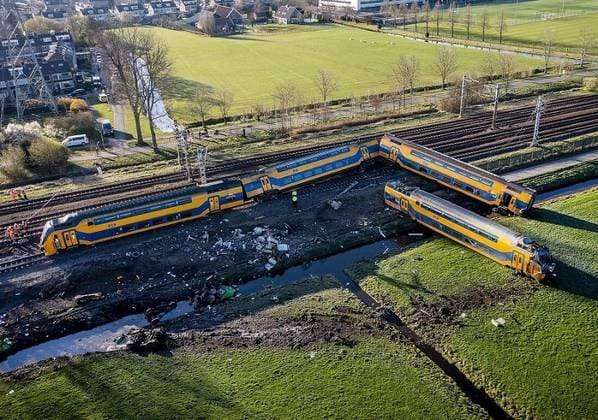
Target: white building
pixel 359 5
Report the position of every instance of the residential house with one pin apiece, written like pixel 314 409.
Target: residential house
pixel 260 13
pixel 226 20
pixel 187 7
pixel 58 75
pixel 56 6
pixel 161 9
pixel 287 15
pixel 99 14
pixel 57 15
pixel 129 12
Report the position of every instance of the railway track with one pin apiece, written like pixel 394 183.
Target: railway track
pixel 21 262
pixel 471 145
pixel 450 128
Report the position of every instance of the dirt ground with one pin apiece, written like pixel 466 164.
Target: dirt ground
pixel 147 270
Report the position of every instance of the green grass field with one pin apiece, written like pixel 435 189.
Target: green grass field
pixel 254 64
pixel 543 362
pixel 376 378
pixel 528 22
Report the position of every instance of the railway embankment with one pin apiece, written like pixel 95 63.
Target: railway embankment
pixel 153 270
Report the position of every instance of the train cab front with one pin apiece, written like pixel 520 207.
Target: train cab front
pixel 396 195
pixel 542 266
pixel 47 241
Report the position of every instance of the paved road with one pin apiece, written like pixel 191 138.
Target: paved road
pixel 552 166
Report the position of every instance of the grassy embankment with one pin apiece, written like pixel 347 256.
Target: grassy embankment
pixel 543 362
pixel 375 377
pixel 527 22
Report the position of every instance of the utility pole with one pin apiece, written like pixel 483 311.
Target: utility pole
pixel 202 157
pixel 21 63
pixel 182 137
pixel 538 111
pixel 462 97
pixel 493 126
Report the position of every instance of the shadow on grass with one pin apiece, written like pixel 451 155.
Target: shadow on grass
pixel 183 89
pixel 556 218
pixel 573 280
pixel 162 388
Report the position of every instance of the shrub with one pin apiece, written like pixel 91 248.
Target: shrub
pixel 64 102
pixel 48 157
pixel 13 164
pixel 78 105
pixel 80 123
pixel 16 134
pixel 590 84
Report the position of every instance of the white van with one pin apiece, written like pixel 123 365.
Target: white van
pixel 76 140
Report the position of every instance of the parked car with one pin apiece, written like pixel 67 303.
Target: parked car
pixel 76 140
pixel 78 92
pixel 106 127
pixel 103 97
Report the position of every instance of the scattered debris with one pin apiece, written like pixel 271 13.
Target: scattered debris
pixel 415 234
pixel 144 340
pixel 5 345
pixel 90 297
pixel 353 184
pixel 498 322
pixel 381 233
pixel 312 354
pixel 334 204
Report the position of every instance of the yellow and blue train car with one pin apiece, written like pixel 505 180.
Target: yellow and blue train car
pixel 309 168
pixel 139 215
pixel 477 233
pixel 460 176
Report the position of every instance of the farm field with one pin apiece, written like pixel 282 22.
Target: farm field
pixel 372 377
pixel 254 64
pixel 550 330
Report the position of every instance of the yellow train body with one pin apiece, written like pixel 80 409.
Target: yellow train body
pixel 471 230
pixel 138 215
pixel 460 176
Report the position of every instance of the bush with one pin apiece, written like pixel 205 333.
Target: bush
pixel 64 102
pixel 48 157
pixel 78 105
pixel 79 123
pixel 13 164
pixel 17 134
pixel 590 84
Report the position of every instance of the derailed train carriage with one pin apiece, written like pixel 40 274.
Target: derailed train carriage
pixel 133 216
pixel 471 230
pixel 460 176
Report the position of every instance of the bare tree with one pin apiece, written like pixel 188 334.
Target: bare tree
pixel 399 86
pixel 502 25
pixel 468 19
pixel 484 23
pixel 452 11
pixel 548 45
pixel 224 101
pixel 385 9
pixel 415 12
pixel 120 47
pixel 153 66
pixel 403 13
pixel 286 96
pixel 395 13
pixel 587 39
pixel 506 66
pixel 203 103
pixel 207 23
pixel 437 10
pixel 445 64
pixel 407 71
pixel 426 9
pixel 326 84
pixel 489 64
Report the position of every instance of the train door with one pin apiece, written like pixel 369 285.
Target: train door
pixel 214 203
pixel 404 205
pixel 517 261
pixel 266 186
pixel 506 199
pixel 394 152
pixel 365 153
pixel 70 238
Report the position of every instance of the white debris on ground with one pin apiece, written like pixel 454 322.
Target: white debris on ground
pixel 335 204
pixel 498 322
pixel 266 243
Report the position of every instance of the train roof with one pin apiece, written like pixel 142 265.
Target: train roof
pixel 473 169
pixel 72 219
pixel 312 158
pixel 470 217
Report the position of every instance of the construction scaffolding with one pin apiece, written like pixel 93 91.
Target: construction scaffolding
pixel 22 84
